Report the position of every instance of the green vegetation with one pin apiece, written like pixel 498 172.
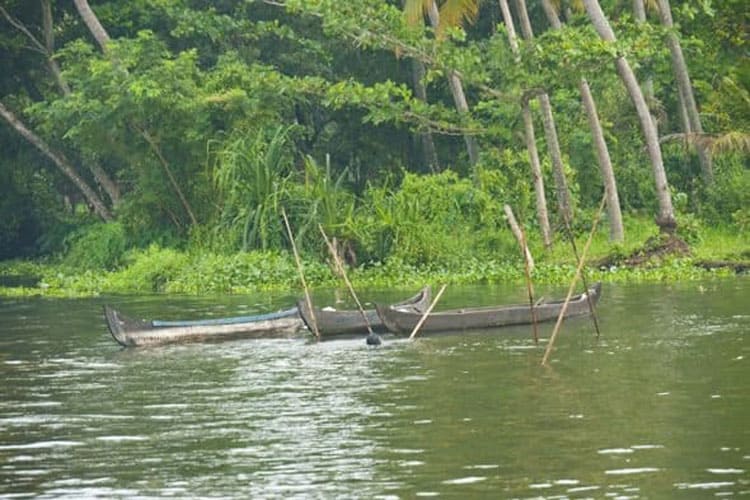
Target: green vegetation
pixel 167 270
pixel 157 154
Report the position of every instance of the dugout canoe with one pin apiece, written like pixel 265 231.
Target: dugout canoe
pixel 403 321
pixel 131 332
pixel 331 322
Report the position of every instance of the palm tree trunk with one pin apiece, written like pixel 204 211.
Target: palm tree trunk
pixel 102 178
pixel 536 171
pixel 550 130
pixel 530 138
pixel 687 97
pixel 616 229
pixel 48 49
pixel 639 13
pixel 49 44
pixel 59 160
pixel 428 144
pixel 457 90
pixel 102 38
pixel 665 218
pixel 92 22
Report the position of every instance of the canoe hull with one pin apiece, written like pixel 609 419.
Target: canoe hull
pixel 403 322
pixel 332 323
pixel 132 333
pixel 289 323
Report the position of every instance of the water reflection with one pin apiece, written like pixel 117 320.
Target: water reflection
pixel 658 406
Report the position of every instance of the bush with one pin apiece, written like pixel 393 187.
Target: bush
pixel 216 273
pixel 730 191
pixel 431 219
pixel 97 246
pixel 150 270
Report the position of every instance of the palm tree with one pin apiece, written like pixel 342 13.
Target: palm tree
pixel 616 230
pixel 420 91
pixel 536 169
pixel 665 218
pixel 639 12
pixel 92 22
pixel 454 12
pixel 550 130
pixel 685 90
pixel 102 38
pixel 59 160
pixel 47 49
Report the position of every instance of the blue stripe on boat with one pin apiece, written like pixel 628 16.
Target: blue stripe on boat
pixel 228 321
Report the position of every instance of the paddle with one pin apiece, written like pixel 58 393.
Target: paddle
pixel 572 240
pixel 372 337
pixel 308 300
pixel 574 282
pixel 427 313
pixel 528 265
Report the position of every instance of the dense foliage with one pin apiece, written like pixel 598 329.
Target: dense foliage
pixel 210 119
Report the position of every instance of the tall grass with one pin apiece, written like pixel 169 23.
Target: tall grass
pixel 252 176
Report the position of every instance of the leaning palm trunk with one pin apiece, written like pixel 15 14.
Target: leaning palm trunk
pixel 639 13
pixel 102 38
pixel 59 160
pixel 550 130
pixel 529 136
pixel 665 218
pixel 92 22
pixel 536 171
pixel 457 90
pixel 616 230
pixel 687 97
pixel 102 177
pixel 48 49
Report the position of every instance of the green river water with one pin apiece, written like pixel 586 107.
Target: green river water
pixel 658 407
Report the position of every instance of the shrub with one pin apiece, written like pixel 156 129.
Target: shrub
pixel 730 191
pixel 430 219
pixel 97 246
pixel 150 270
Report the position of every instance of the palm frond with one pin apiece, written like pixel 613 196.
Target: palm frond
pixel 731 141
pixel 455 13
pixel 414 10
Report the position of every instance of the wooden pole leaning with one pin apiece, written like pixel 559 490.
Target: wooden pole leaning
pixel 572 240
pixel 528 266
pixel 574 282
pixel 427 313
pixel 518 233
pixel 301 272
pixel 340 269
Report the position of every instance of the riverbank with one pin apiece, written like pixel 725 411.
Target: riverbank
pixel 714 253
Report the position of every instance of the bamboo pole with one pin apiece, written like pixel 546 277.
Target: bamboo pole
pixel 572 240
pixel 308 300
pixel 340 269
pixel 518 233
pixel 427 313
pixel 528 265
pixel 574 282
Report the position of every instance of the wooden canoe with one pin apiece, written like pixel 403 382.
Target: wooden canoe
pixel 132 332
pixel 332 323
pixel 137 332
pixel 402 321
